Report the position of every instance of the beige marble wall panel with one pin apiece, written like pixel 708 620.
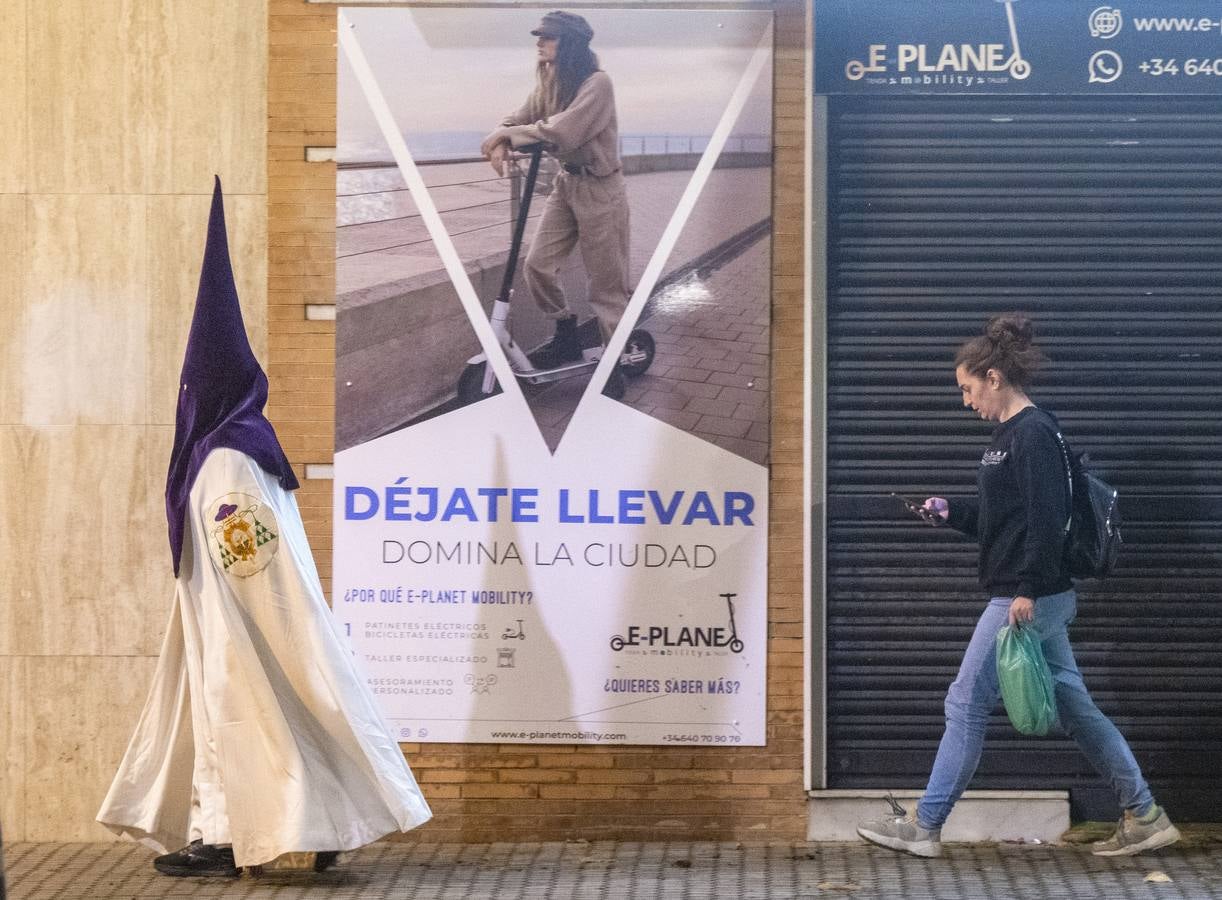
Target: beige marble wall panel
pixel 12 747
pixel 90 117
pixel 209 65
pixel 151 613
pixel 79 540
pixel 85 314
pixel 178 227
pixel 12 488
pixel 12 96
pixel 81 714
pixel 12 252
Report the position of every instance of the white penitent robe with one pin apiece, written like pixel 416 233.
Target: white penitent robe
pixel 258 731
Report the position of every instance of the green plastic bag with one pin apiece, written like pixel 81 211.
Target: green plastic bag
pixel 1026 682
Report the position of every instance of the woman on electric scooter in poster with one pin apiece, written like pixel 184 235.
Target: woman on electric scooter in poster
pixel 572 111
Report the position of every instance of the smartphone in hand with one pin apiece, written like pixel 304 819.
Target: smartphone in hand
pixel 919 509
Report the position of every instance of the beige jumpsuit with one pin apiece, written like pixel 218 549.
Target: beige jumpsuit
pixel 588 206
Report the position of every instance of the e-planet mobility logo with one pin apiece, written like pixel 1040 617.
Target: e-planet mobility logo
pixel 966 64
pixel 670 638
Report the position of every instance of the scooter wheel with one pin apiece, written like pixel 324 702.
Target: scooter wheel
pixel 638 353
pixel 471 384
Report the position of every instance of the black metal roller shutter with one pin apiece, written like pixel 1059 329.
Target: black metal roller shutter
pixel 1102 218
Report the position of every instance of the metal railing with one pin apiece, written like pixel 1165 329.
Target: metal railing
pixel 629 145
pixel 648 144
pixel 516 176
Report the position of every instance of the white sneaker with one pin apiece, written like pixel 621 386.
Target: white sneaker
pixel 1134 837
pixel 900 831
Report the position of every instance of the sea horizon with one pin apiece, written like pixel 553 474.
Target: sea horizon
pixel 441 146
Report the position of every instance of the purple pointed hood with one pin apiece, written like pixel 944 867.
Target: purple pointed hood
pixel 222 389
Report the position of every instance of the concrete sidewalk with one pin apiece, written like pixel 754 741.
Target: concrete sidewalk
pixel 634 870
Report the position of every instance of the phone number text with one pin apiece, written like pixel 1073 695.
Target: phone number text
pixel 702 738
pixel 1191 67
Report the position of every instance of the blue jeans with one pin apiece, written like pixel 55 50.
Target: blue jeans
pixel 974 695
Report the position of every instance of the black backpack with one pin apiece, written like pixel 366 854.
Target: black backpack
pixel 1092 534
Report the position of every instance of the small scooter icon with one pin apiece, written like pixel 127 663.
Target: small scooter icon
pixel 735 644
pixel 1019 67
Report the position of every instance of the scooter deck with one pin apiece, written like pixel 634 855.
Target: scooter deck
pixel 589 360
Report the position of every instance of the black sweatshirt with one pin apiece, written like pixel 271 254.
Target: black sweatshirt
pixel 1021 508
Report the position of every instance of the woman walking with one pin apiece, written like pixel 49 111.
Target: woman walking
pixel 1018 517
pixel 572 111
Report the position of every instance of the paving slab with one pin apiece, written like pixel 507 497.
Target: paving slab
pixel 705 330
pixel 605 869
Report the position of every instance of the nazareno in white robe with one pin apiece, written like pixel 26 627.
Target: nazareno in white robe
pixel 258 730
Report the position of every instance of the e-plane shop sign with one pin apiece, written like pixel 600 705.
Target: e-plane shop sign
pixel 1018 47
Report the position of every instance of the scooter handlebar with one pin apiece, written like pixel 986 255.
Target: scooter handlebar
pixel 529 149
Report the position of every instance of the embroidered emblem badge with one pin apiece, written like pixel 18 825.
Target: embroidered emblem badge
pixel 243 534
pixel 993 457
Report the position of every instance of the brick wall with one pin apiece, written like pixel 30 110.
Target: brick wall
pixel 490 792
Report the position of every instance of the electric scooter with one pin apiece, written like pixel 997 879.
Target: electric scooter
pixel 478 380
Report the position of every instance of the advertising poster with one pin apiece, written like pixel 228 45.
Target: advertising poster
pixel 551 492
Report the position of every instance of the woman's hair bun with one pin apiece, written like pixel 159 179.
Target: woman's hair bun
pixel 1007 345
pixel 1010 330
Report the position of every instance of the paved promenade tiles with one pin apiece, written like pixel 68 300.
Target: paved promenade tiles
pixel 582 870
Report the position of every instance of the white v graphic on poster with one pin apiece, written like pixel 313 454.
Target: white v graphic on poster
pixel 551 411
pixel 351 47
pixel 592 397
